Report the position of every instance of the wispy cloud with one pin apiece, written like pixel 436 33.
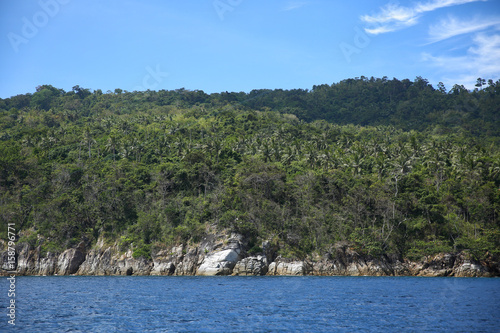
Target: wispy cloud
pixel 291 5
pixel 394 17
pixel 436 4
pixel 454 27
pixel 481 60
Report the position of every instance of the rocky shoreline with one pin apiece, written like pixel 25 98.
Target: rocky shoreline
pixel 226 255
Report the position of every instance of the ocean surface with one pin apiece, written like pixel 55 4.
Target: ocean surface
pixel 252 304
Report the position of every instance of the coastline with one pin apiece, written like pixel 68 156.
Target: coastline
pixel 226 255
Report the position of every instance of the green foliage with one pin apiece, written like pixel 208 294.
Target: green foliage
pixel 480 248
pixel 142 250
pixel 44 97
pixel 50 246
pixel 255 250
pixel 31 239
pixel 421 248
pixel 125 242
pixel 389 166
pixel 365 242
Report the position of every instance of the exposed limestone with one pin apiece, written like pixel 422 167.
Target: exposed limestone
pixel 131 266
pixel 465 267
pixel 251 266
pixel 47 265
pixel 371 267
pixel 98 262
pixel 190 262
pixel 438 265
pixel 223 254
pixel 163 268
pixel 219 263
pixel 283 267
pixel 69 261
pixel 107 262
pixel 328 268
pixel 27 259
pixel 400 268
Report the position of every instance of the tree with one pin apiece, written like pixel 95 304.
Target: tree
pixel 480 83
pixel 88 140
pixel 81 92
pixel 441 87
pixel 112 143
pixel 44 97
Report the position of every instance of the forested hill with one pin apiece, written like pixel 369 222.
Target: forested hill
pixel 404 104
pixel 392 167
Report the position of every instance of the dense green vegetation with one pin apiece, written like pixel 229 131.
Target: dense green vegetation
pixel 393 167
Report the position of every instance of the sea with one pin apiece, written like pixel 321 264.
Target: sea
pixel 250 304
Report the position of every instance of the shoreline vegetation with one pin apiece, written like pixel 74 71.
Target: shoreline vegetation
pixel 368 176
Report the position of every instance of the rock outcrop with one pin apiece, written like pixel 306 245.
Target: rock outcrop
pixel 46 265
pixel 222 262
pixel 189 262
pixel 108 262
pixel 446 264
pixel 251 266
pixel 284 267
pixel 69 262
pixel 165 261
pixel 163 268
pixel 218 263
pixel 223 254
pixel 98 262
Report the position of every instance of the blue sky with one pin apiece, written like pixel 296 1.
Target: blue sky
pixel 240 45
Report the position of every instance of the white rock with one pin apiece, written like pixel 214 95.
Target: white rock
pixel 219 263
pixel 163 268
pixel 251 266
pixel 286 268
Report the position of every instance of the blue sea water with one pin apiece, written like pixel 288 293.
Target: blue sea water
pixel 252 304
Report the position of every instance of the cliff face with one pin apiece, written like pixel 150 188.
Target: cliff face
pixel 225 255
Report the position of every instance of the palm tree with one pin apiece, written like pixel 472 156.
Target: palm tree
pixel 111 144
pixel 266 151
pixel 87 138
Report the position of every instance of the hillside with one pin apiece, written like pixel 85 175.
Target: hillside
pixel 390 167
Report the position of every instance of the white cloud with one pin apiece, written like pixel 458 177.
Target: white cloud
pixel 436 4
pixel 294 5
pixel 453 27
pixel 390 13
pixel 378 30
pixel 394 17
pixel 481 60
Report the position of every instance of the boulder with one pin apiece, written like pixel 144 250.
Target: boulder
pixel 287 268
pixel 251 266
pixel 219 263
